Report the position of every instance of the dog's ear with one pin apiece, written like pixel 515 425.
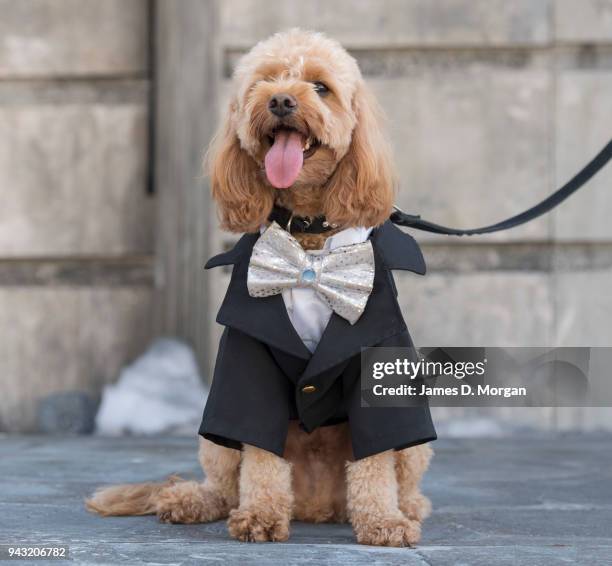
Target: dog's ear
pixel 361 190
pixel 244 201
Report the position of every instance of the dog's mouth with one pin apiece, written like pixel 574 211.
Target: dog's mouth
pixel 289 147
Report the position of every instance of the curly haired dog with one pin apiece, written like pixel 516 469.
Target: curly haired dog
pixel 310 86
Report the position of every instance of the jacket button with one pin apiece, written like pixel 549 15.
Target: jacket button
pixel 309 389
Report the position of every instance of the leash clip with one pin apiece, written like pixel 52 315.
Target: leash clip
pixel 405 216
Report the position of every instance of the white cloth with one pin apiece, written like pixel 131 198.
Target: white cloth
pixel 308 312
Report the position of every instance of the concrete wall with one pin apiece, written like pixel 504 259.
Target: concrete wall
pixel 75 218
pixel 492 105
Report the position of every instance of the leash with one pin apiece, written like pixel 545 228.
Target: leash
pixel 582 177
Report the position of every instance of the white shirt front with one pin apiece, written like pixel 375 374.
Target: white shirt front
pixel 308 312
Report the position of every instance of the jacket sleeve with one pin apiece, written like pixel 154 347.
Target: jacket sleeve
pixel 249 397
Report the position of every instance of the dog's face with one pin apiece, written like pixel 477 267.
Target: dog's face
pixel 294 110
pixel 301 131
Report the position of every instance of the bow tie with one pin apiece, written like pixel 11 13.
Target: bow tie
pixel 342 277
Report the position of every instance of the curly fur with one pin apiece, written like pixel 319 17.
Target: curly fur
pixel 349 179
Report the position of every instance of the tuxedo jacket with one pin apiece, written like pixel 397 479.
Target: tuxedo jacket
pixel 265 376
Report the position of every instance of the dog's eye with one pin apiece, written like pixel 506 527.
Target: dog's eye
pixel 320 88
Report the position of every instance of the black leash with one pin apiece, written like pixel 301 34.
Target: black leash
pixel 591 169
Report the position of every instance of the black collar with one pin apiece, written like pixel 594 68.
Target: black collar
pixel 299 224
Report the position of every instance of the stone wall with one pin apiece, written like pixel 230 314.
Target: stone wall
pixel 75 217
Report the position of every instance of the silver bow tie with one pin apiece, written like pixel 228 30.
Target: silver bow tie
pixel 343 277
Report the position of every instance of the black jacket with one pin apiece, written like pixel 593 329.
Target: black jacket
pixel 265 376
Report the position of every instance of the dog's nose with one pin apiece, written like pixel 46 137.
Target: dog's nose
pixel 282 104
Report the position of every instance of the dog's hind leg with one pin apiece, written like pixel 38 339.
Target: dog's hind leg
pixel 372 503
pixel 266 498
pixel 194 502
pixel 411 464
pixel 178 501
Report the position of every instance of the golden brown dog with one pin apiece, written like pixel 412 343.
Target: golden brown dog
pixel 345 173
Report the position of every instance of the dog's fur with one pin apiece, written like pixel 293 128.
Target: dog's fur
pixel 350 180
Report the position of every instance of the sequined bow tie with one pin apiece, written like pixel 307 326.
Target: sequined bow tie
pixel 342 277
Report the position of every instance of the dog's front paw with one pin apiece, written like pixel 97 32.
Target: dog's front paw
pixel 258 525
pixel 387 531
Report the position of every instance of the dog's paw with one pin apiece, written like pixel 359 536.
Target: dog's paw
pixel 189 502
pixel 388 531
pixel 258 525
pixel 416 507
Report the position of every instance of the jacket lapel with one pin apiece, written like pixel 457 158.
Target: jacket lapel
pixel 263 318
pixel 341 340
pixel 382 317
pixel 239 252
pixel 398 250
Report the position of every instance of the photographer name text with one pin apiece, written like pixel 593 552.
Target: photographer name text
pixel 463 390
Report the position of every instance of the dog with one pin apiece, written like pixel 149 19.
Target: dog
pixel 304 135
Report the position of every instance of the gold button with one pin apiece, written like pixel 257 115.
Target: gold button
pixel 309 389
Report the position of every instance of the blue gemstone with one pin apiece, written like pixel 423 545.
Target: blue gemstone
pixel 308 275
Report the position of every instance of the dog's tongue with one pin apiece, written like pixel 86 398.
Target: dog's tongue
pixel 284 159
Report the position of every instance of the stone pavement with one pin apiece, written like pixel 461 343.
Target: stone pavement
pixel 542 500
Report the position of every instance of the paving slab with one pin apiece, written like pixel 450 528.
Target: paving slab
pixel 542 499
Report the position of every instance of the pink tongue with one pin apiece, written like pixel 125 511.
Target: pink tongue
pixel 284 159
